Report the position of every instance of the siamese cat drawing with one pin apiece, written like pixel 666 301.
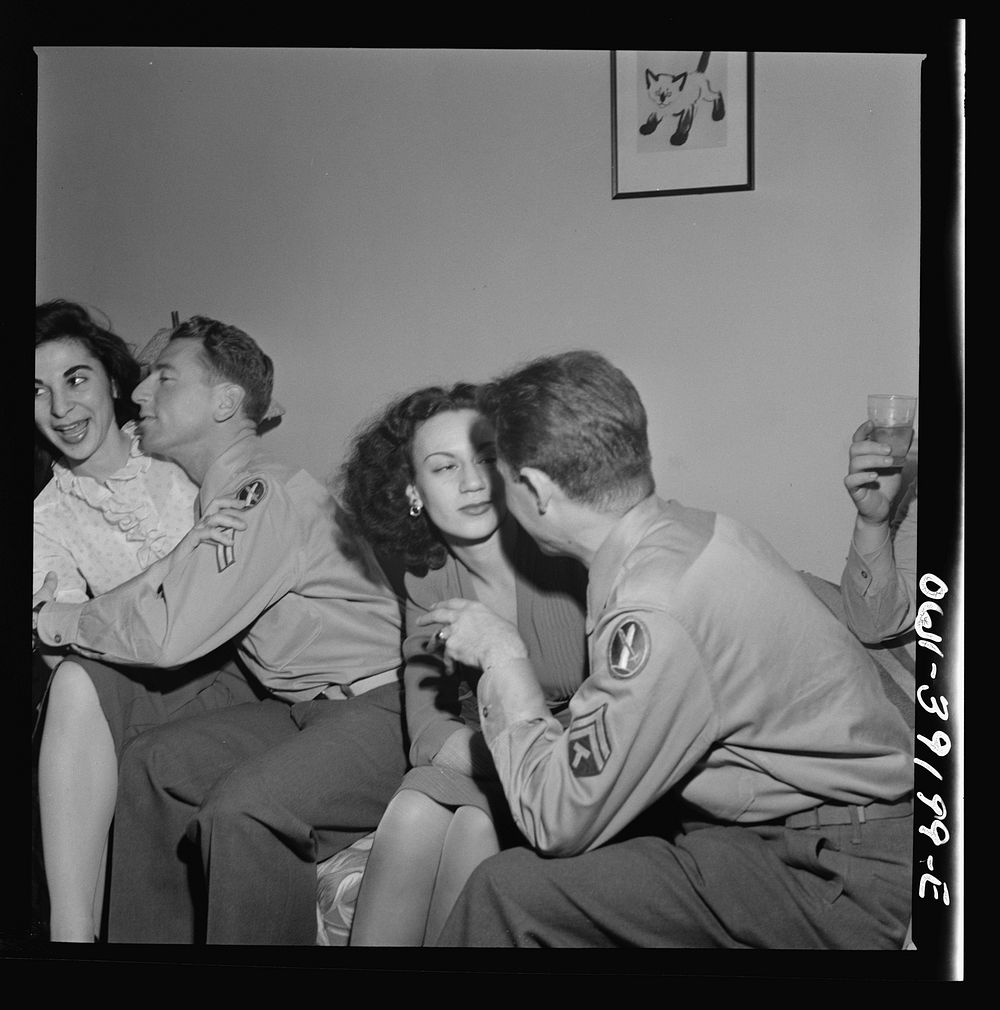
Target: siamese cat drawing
pixel 678 95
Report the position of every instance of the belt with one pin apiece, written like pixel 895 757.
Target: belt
pixel 341 692
pixel 830 814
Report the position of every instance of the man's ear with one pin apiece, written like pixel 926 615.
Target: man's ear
pixel 541 486
pixel 229 399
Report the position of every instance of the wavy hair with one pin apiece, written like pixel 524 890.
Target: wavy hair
pixel 62 320
pixel 378 468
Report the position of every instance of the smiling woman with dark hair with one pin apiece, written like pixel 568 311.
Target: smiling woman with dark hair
pixel 112 361
pixel 108 513
pixel 421 485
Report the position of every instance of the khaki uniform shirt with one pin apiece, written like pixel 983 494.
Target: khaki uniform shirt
pixel 714 673
pixel 302 602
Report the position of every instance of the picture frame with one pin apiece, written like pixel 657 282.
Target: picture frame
pixel 682 122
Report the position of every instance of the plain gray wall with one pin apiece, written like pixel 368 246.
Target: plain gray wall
pixel 379 220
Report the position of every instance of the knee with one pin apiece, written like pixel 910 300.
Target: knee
pixel 474 821
pixel 472 835
pixel 73 706
pixel 235 797
pixel 71 684
pixel 240 813
pixel 409 811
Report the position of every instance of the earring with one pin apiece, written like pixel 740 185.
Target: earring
pixel 415 509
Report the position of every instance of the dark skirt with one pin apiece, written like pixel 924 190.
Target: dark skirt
pixel 135 698
pixel 452 789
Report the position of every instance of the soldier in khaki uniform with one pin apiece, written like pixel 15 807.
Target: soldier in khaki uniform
pixel 257 793
pixel 733 774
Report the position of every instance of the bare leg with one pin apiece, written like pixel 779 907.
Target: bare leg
pixel 77 785
pixel 471 838
pixel 399 878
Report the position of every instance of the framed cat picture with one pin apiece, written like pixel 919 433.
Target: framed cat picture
pixel 682 122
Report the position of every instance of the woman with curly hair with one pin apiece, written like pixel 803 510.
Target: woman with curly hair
pixel 420 483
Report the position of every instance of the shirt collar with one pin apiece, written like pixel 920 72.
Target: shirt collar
pixel 617 545
pixel 219 473
pixel 92 490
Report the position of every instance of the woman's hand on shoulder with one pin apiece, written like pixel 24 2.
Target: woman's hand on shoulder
pixel 218 526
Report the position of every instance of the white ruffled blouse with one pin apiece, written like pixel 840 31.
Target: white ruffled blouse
pixel 96 534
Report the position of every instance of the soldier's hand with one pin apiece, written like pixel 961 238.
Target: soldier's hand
pixel 474 635
pixel 870 484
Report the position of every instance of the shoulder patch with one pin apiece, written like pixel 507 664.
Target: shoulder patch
pixel 252 492
pixel 628 649
pixel 589 747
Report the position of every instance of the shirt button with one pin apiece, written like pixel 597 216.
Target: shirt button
pixel 58 638
pixel 864 574
pixel 486 711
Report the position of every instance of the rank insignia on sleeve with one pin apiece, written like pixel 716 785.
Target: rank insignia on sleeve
pixel 589 749
pixel 251 492
pixel 628 649
pixel 225 554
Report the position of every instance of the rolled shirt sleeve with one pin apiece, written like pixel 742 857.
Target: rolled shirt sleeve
pixel 879 589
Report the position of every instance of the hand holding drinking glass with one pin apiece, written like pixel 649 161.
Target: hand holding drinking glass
pixel 872 479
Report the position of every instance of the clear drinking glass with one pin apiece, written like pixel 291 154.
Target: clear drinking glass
pixel 892 415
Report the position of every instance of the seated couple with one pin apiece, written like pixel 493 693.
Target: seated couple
pixel 231 692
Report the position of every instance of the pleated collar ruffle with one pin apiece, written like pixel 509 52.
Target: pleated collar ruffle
pixel 121 499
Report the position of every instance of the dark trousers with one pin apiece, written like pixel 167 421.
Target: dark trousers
pixel 222 818
pixel 711 886
pixel 136 698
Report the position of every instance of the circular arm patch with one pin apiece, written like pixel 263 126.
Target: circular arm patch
pixel 252 492
pixel 628 649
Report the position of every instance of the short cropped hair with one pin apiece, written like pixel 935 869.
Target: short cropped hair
pixel 233 356
pixel 379 466
pixel 579 419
